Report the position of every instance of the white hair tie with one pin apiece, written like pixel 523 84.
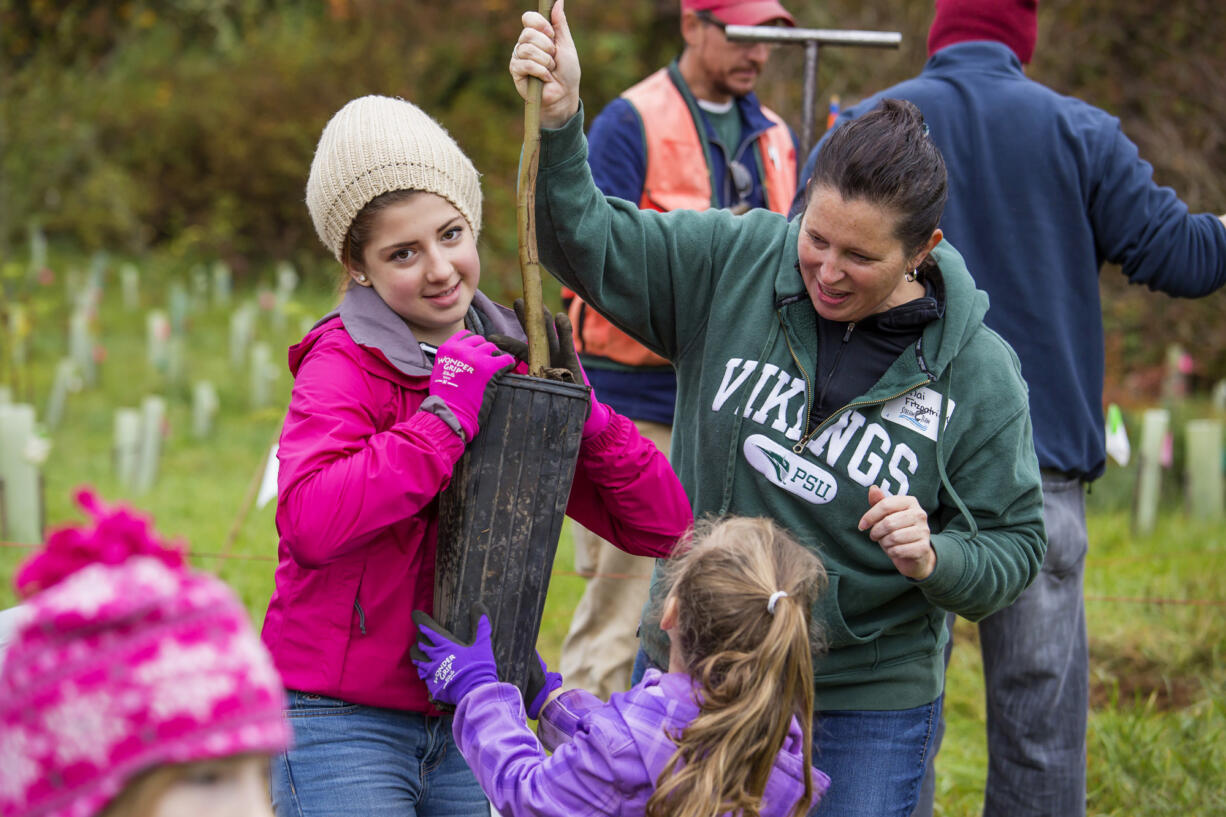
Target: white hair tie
pixel 770 605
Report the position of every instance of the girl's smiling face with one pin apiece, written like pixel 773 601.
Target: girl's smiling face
pixel 851 260
pixel 421 258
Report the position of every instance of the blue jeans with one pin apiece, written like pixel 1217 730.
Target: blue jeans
pixel 875 759
pixel 641 664
pixel 1037 678
pixel 348 759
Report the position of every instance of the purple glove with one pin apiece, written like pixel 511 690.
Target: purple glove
pixel 463 368
pixel 562 355
pixel 451 668
pixel 541 684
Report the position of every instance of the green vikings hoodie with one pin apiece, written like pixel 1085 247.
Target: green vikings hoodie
pixel 722 298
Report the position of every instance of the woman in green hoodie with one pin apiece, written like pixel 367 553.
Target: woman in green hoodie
pixel 833 374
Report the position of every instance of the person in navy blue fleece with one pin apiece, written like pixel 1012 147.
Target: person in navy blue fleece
pixel 1043 189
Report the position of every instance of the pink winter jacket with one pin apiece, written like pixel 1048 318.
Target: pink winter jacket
pixel 360 470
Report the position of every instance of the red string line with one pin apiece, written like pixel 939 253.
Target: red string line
pixel 1134 600
pixel 259 557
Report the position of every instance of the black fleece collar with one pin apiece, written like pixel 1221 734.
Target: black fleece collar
pixel 914 315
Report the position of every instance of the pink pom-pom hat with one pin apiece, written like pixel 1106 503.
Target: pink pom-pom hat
pixel 125 659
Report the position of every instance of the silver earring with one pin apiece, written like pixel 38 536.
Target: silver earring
pixel 361 279
pixel 912 275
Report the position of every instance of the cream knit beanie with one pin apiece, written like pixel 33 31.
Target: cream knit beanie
pixel 376 144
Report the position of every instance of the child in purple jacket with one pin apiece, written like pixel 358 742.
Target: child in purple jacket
pixel 725 730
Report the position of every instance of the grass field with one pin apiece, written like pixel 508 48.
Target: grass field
pixel 1155 604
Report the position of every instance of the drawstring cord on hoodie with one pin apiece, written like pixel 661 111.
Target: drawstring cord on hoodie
pixel 957 500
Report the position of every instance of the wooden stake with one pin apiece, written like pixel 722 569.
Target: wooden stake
pixel 529 259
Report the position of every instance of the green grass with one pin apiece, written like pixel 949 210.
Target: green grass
pixel 1157 731
pixel 1157 738
pixel 203 491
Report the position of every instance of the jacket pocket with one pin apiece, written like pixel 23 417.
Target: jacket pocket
pixel 358 622
pixel 1064 517
pixel 318 622
pixel 829 615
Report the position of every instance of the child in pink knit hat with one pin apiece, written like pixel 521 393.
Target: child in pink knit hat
pixel 133 685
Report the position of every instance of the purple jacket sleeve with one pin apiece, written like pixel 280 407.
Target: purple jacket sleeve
pixel 598 772
pixel 626 491
pixel 341 480
pixel 561 717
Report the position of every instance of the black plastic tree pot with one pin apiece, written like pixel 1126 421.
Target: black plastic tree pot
pixel 501 516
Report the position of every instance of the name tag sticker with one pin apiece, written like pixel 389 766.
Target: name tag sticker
pixel 918 410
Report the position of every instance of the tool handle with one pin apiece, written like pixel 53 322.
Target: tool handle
pixel 529 258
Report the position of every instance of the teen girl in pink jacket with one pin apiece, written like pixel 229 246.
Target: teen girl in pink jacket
pixel 387 393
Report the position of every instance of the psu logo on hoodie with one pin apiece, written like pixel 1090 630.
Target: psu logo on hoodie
pixel 791 472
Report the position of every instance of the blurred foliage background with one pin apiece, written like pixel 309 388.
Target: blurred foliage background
pixel 176 133
pixel 182 130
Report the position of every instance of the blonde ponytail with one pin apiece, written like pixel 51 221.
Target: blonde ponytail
pixel 753 667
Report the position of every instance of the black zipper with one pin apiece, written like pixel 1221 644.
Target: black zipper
pixel 361 616
pixel 838 356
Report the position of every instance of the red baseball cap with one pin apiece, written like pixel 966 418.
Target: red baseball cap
pixel 741 12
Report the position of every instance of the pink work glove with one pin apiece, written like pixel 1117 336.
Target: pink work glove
pixel 463 368
pixel 562 355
